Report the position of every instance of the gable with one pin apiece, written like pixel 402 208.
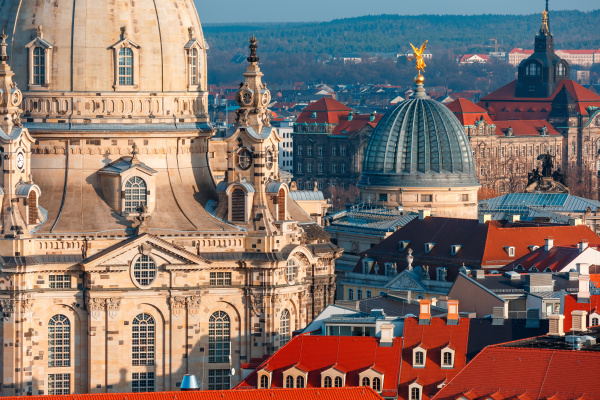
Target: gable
pixel 405 281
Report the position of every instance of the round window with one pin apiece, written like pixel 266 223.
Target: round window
pixel 144 270
pixel 269 159
pixel 291 271
pixel 244 159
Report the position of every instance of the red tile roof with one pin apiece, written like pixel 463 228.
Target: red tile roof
pixel 345 127
pixel 433 338
pixel 520 51
pixel 522 373
pixel 556 259
pixel 358 393
pixel 468 112
pixel 502 104
pixel 328 111
pixel 319 353
pixel 525 127
pixel 571 305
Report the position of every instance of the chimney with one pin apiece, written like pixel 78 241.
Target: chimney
pixel 350 116
pixel 479 274
pixel 387 335
pixel 583 294
pixel 579 321
pixel 485 218
pixel 189 383
pixel 372 117
pixel 583 245
pixel 424 214
pixel 452 318
pixel 549 244
pixel 498 316
pixel 434 301
pixel 424 312
pixel 515 218
pixel 575 221
pixel 556 325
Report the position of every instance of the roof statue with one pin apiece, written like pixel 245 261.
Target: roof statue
pixel 549 180
pixel 420 65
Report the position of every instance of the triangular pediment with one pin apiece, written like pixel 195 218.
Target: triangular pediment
pixel 125 42
pixel 119 255
pixel 39 42
pixel 405 281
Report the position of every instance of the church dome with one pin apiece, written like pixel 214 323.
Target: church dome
pixel 419 143
pixel 140 51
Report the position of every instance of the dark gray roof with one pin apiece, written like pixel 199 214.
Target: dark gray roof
pixel 419 143
pixel 41 259
pixel 246 255
pixel 123 164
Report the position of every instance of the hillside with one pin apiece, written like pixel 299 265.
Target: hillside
pixel 391 33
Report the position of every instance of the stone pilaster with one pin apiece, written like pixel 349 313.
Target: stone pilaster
pixel 96 308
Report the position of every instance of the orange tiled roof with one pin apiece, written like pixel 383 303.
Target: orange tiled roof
pixel 358 393
pixel 525 127
pixel 328 111
pixel 571 305
pixel 468 112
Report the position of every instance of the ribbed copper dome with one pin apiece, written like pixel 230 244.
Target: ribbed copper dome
pixel 419 143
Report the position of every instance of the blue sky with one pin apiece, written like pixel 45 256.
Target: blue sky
pixel 223 11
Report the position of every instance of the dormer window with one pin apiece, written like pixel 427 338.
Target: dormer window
pixel 419 354
pixel 39 66
pixel 40 58
pixel 366 381
pixel 135 194
pixel 415 391
pixel 403 244
pixel 533 69
pixel 533 248
pixel 338 381
pixel 126 62
pixel 390 268
pixel 510 250
pixel 125 66
pixel 193 50
pixel 377 384
pixel 561 70
pixel 264 379
pixel 429 247
pixel 519 268
pixel 454 249
pixel 448 357
pixel 533 269
pixel 313 115
pixel 367 263
pixel 327 382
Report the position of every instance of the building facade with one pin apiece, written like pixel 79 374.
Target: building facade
pixel 286 146
pixel 136 248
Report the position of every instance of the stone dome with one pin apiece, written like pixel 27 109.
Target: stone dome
pixel 419 143
pixel 81 41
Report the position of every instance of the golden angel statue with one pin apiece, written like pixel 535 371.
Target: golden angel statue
pixel 418 55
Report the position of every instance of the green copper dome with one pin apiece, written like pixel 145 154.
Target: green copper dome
pixel 419 143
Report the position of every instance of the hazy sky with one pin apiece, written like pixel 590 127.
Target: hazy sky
pixel 324 10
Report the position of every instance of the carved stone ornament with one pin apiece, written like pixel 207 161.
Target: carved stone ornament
pixel 193 304
pixel 256 301
pixel 26 306
pixel 406 282
pixel 146 249
pixel 95 304
pixel 8 307
pixel 177 305
pixel 112 306
pixel 276 299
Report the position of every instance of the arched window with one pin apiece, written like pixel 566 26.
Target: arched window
pixel 447 359
pixel 415 393
pixel 533 69
pixel 264 382
pixel 59 341
pixel 327 382
pixel 350 294
pixel 377 384
pixel 194 66
pixel 238 205
pixel 281 204
pixel 144 270
pixel 369 294
pixel 595 322
pixel 366 381
pixel 218 338
pixel 338 381
pixel 32 206
pixel 39 66
pixel 125 66
pixel 359 294
pixel 291 270
pixel 289 381
pixel 284 328
pixel 142 349
pixel 300 382
pixel 560 69
pixel 135 194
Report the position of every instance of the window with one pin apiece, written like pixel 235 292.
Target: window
pixel 144 270
pixel 238 205
pixel 415 393
pixel 350 294
pixel 291 270
pixel 533 69
pixel 125 66
pixel 334 151
pixel 269 159
pixel 595 322
pixel 194 66
pixel 359 294
pixel 59 384
pixel 383 197
pixel 447 359
pixel 366 381
pixel 327 382
pixel 284 328
pixel 218 338
pixel 219 379
pixel 369 294
pixel 300 382
pixel 320 167
pixel 264 382
pixel 426 198
pixel 60 281
pixel 220 278
pixel 309 167
pixel 244 159
pixel 338 381
pixel 465 197
pixel 343 168
pixel 560 69
pixel 299 150
pixel 289 381
pixel 39 66
pixel 343 150
pixel 59 341
pixel 142 382
pixel 142 349
pixel 419 359
pixel 320 150
pixel 309 151
pixel 377 384
pixel 135 194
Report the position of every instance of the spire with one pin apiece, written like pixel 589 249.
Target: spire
pixel 253 57
pixel 545 29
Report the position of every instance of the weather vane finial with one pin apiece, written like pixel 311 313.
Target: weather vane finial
pixel 253 57
pixel 418 55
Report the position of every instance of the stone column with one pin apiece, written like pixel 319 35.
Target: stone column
pixel 96 345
